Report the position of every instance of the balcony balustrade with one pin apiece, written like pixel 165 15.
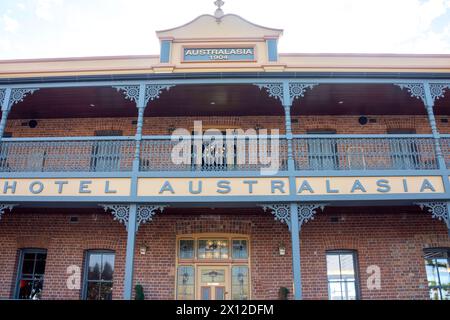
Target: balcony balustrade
pixel 311 153
pixel 365 152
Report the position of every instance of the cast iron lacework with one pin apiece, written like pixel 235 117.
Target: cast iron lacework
pixel 17 95
pixel 282 212
pixel 439 210
pixel 438 90
pixel 152 91
pixel 130 92
pixel 2 96
pixel 306 212
pixel 120 212
pixel 146 213
pixel 416 90
pixel 298 90
pixel 275 90
pixel 4 207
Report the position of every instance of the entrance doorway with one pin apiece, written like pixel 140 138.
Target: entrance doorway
pixel 213 282
pixel 213 267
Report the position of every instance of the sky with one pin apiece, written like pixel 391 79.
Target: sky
pixel 77 28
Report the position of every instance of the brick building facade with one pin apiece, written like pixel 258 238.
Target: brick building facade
pixel 390 239
pixel 94 206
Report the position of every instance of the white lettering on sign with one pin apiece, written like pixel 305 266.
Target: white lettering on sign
pixel 204 52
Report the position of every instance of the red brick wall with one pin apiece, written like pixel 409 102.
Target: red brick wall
pixel 392 238
pixel 160 125
pixel 65 243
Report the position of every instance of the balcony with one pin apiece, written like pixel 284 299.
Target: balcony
pixel 311 153
pixel 365 152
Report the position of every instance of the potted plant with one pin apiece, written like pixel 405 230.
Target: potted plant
pixel 139 290
pixel 283 293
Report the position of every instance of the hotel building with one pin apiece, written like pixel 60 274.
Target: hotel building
pixel 94 205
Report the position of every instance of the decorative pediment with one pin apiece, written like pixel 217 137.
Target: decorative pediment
pixel 209 28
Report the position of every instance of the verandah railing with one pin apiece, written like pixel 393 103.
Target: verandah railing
pixel 364 152
pixel 90 154
pixel 311 152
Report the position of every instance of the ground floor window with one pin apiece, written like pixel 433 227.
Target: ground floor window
pixel 213 267
pixel 99 274
pixel 31 274
pixel 437 263
pixel 342 275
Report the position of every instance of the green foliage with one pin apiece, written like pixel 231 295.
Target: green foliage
pixel 283 293
pixel 139 292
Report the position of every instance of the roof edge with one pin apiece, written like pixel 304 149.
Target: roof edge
pixel 211 16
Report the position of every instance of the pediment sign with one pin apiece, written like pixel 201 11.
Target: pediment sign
pixel 228 39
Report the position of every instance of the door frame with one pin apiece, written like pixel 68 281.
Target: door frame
pixel 229 263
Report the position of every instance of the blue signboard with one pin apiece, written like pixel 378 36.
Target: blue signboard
pixel 218 54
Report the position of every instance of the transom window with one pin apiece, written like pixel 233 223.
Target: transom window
pixel 437 263
pixel 213 268
pixel 212 249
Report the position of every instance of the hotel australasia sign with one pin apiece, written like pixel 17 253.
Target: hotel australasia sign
pixel 220 187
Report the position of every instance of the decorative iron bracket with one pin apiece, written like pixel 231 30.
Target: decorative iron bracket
pixel 121 213
pixel 2 96
pixel 438 90
pixel 17 95
pixel 307 212
pixel 282 212
pixel 416 90
pixel 439 210
pixel 145 213
pixel 4 207
pixel 276 90
pixel 297 90
pixel 152 91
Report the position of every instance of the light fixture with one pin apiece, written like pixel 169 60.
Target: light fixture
pixel 32 124
pixel 341 102
pixel 212 103
pixel 92 105
pixel 282 249
pixel 143 249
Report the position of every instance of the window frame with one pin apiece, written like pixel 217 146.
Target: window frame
pixel 442 250
pixel 19 276
pixel 354 254
pixel 86 281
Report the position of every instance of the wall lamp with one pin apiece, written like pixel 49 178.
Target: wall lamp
pixel 143 250
pixel 282 249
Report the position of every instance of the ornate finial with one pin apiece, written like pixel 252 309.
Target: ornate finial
pixel 219 12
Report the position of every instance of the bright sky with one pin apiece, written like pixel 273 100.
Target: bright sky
pixel 69 28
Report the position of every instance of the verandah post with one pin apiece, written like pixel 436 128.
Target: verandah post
pixel 429 106
pixel 295 238
pixel 295 230
pixel 129 262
